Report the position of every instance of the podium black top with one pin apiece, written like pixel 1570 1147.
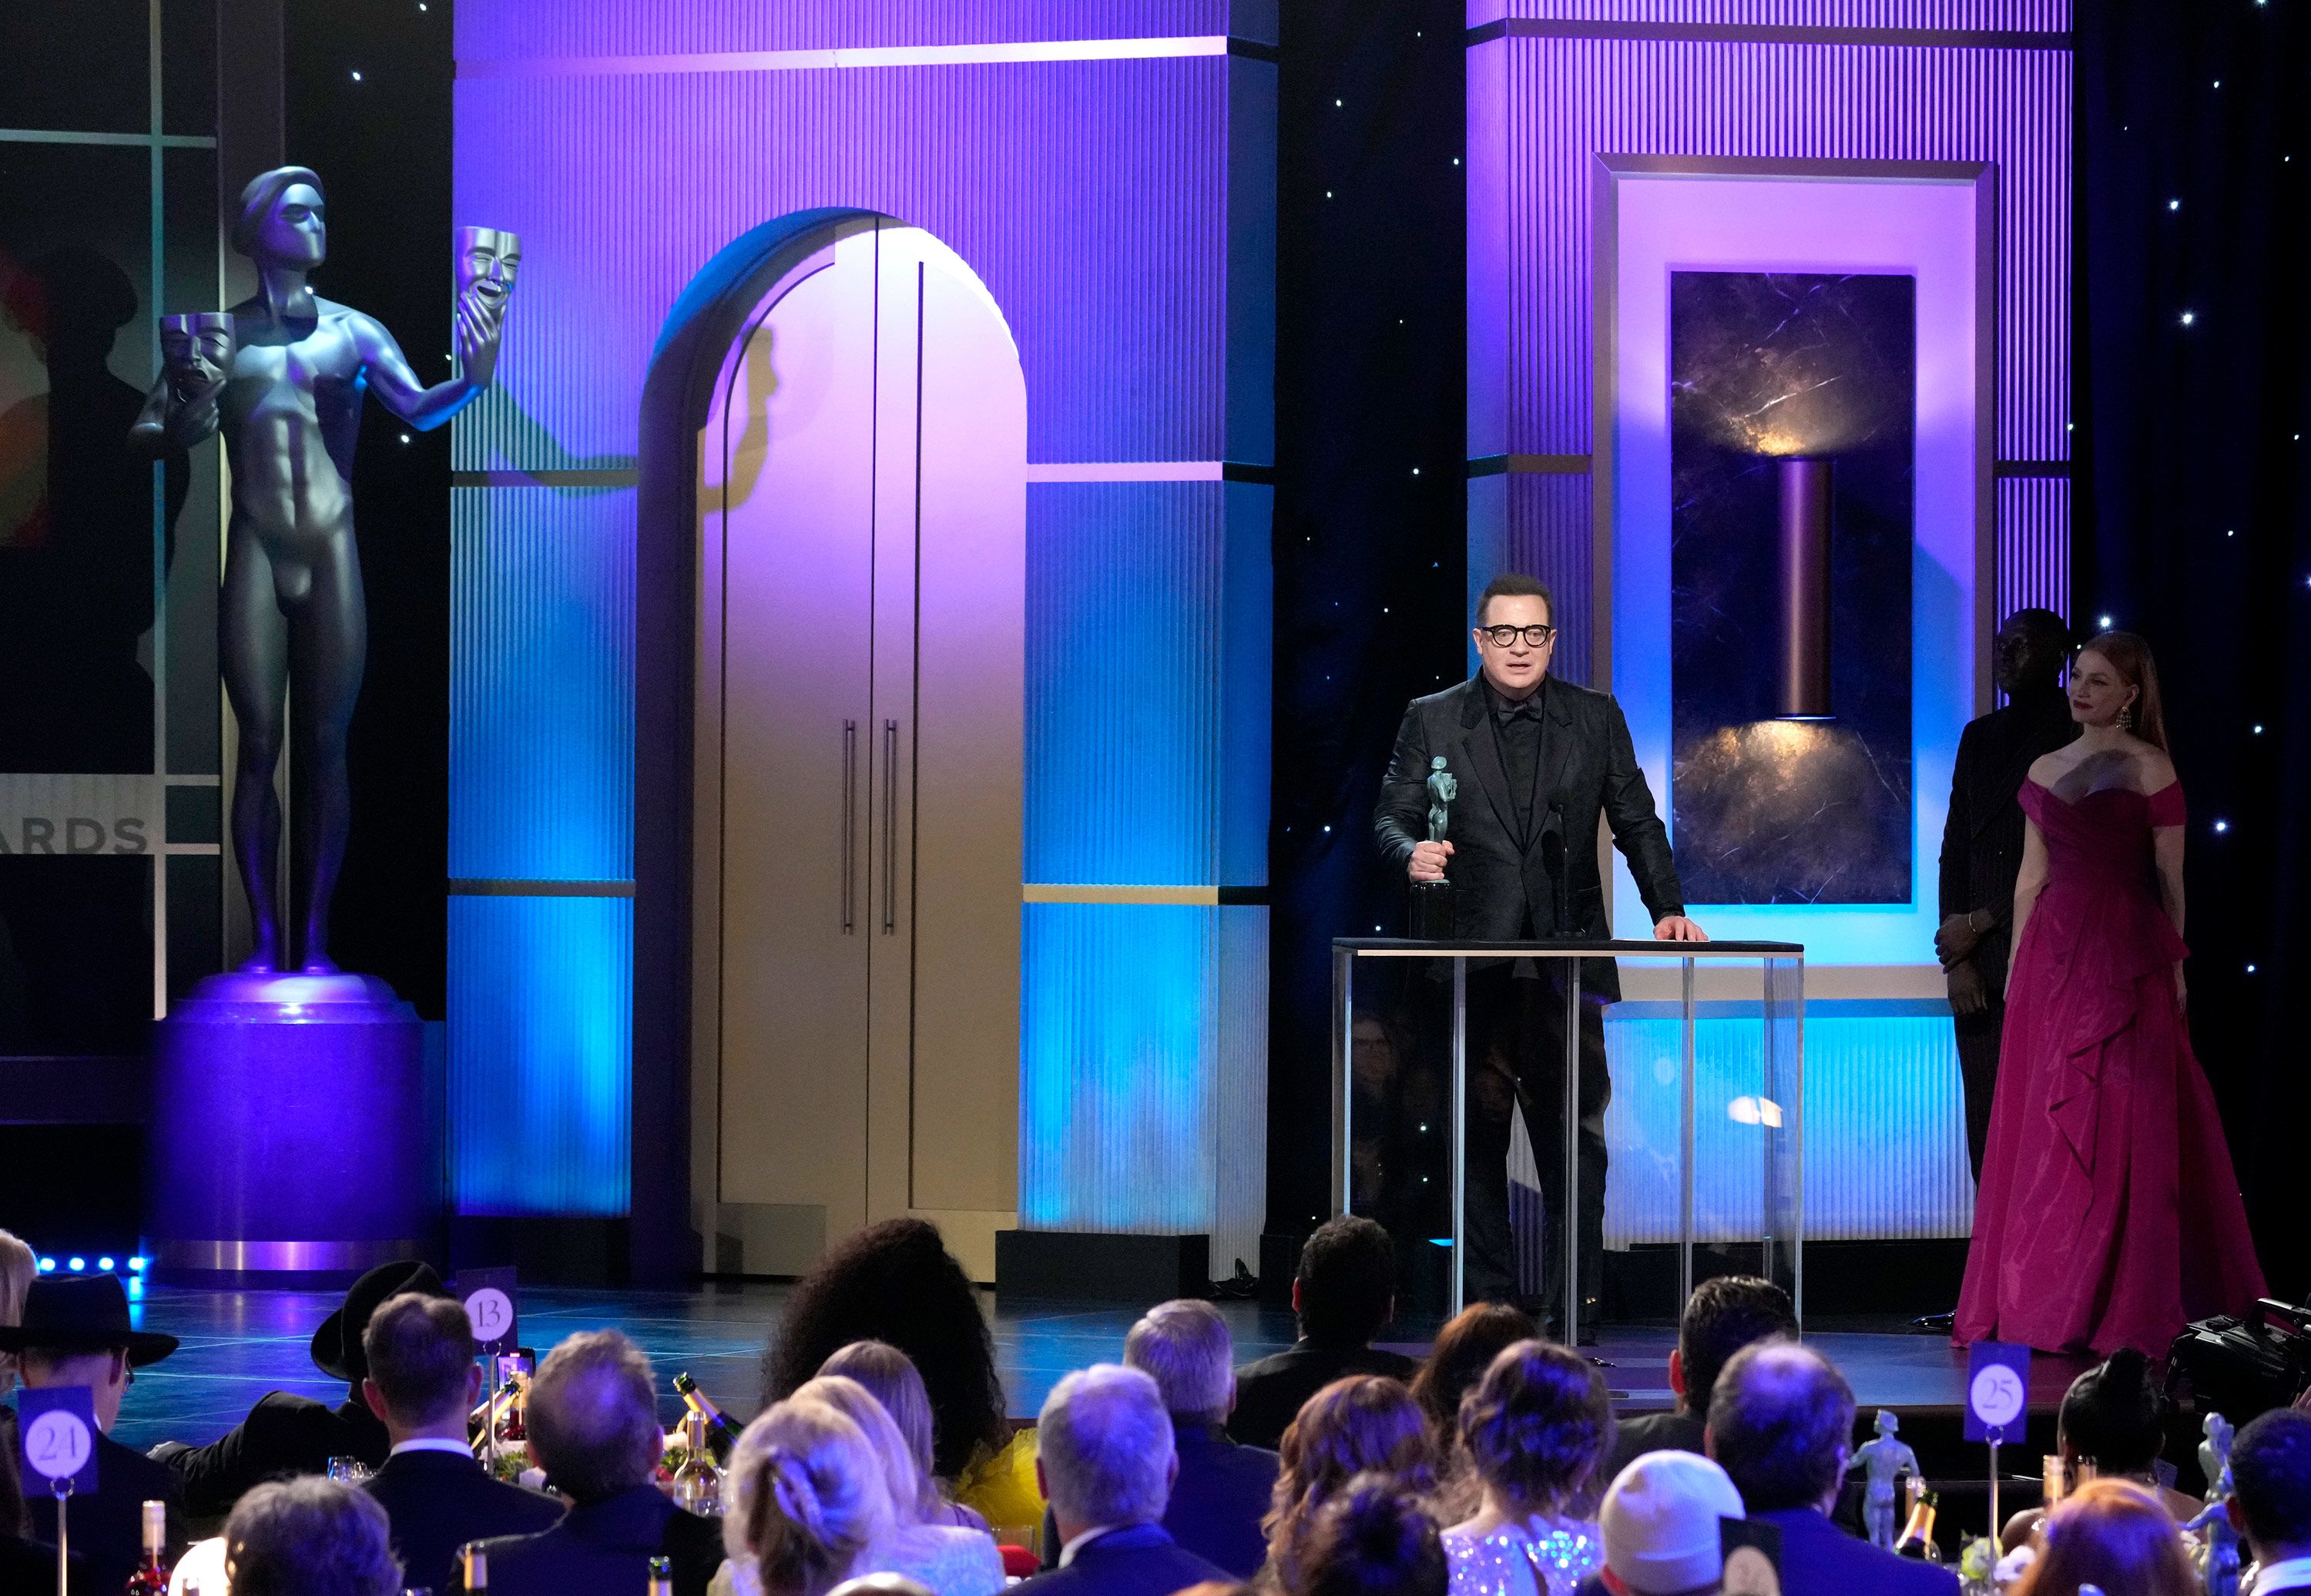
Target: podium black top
pixel 1565 946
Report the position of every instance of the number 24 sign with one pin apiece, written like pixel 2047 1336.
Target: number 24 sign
pixel 57 1424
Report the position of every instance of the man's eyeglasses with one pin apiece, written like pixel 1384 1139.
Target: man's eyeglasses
pixel 1504 637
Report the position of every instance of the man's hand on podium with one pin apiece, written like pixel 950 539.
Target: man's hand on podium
pixel 1676 928
pixel 1429 860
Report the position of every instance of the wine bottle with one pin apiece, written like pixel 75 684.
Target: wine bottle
pixel 151 1579
pixel 1917 1540
pixel 661 1576
pixel 698 1483
pixel 721 1434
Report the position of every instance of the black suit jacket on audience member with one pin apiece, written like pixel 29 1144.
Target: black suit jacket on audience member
pixel 1222 1492
pixel 1820 1560
pixel 284 1435
pixel 607 1546
pixel 1982 839
pixel 1635 1437
pixel 1503 885
pixel 438 1501
pixel 1268 1394
pixel 107 1527
pixel 1140 1560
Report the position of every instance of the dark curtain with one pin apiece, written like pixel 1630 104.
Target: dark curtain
pixel 1370 541
pixel 2193 522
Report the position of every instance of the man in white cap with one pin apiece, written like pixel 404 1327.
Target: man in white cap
pixel 1661 1523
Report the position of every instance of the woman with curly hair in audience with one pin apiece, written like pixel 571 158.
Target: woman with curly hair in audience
pixel 1533 1430
pixel 1366 1424
pixel 2117 1536
pixel 896 1282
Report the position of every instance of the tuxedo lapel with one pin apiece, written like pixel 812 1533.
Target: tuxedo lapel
pixel 1555 751
pixel 1480 751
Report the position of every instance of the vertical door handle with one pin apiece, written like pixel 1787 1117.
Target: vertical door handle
pixel 890 826
pixel 850 824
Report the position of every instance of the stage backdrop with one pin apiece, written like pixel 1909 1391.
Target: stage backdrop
pixel 1612 145
pixel 1107 169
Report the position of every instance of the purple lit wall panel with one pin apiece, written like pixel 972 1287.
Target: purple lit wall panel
pixel 2034 544
pixel 496 28
pixel 1999 15
pixel 1548 535
pixel 1091 197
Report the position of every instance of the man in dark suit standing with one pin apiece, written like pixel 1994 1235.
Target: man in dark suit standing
pixel 77 1332
pixel 1982 845
pixel 1106 1465
pixel 286 1434
pixel 2270 1502
pixel 423 1382
pixel 1538 762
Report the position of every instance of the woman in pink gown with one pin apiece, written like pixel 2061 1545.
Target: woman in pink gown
pixel 2107 1215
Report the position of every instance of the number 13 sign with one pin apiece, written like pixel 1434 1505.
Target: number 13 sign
pixel 57 1426
pixel 489 1298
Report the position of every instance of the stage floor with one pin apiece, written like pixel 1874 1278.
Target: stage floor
pixel 238 1345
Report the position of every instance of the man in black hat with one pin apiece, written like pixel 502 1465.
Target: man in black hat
pixel 77 1332
pixel 286 1434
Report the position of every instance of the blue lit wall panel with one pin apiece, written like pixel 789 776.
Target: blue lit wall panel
pixel 540 1023
pixel 541 684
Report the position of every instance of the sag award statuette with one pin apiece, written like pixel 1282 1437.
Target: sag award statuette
pixel 1432 901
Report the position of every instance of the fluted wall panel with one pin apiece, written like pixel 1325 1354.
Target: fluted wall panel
pixel 2033 544
pixel 1551 535
pixel 514 28
pixel 1984 15
pixel 541 684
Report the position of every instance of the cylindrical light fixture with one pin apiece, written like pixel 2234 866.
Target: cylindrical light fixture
pixel 1801 578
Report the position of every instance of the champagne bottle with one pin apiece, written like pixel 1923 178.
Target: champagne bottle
pixel 721 1434
pixel 661 1576
pixel 698 1483
pixel 477 1567
pixel 1917 1540
pixel 151 1579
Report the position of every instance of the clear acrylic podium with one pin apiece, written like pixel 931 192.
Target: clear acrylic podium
pixel 1720 1078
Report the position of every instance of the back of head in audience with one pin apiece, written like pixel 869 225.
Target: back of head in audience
pixel 1661 1524
pixel 593 1416
pixel 1184 1348
pixel 890 1377
pixel 1104 1442
pixel 1535 1426
pixel 1721 1317
pixel 1465 1349
pixel 1781 1422
pixel 1346 1286
pixel 1372 1539
pixel 809 1499
pixel 420 1351
pixel 2115 1535
pixel 18 1269
pixel 310 1537
pixel 1366 1424
pixel 2271 1485
pixel 896 1282
pixel 2113 1416
pixel 900 1479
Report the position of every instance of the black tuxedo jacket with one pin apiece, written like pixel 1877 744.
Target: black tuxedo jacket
pixel 107 1527
pixel 284 1435
pixel 438 1501
pixel 1982 839
pixel 607 1546
pixel 1587 770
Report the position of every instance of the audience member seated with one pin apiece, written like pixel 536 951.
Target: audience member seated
pixel 75 1331
pixel 1223 1489
pixel 1721 1317
pixel 2114 1418
pixel 285 1434
pixel 1781 1423
pixel 2270 1502
pixel 896 1282
pixel 891 1378
pixel 951 1560
pixel 1344 1291
pixel 1662 1524
pixel 422 1381
pixel 808 1506
pixel 1533 1431
pixel 593 1428
pixel 1464 1349
pixel 310 1537
pixel 1366 1424
pixel 27 1568
pixel 2115 1536
pixel 1106 1465
pixel 1372 1539
pixel 18 1269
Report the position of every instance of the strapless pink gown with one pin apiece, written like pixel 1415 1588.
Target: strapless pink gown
pixel 2108 1215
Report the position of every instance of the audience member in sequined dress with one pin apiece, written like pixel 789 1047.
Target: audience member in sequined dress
pixel 1534 1430
pixel 1366 1424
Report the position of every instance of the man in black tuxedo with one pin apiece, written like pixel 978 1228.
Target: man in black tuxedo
pixel 77 1332
pixel 1982 845
pixel 2270 1502
pixel 286 1434
pixel 1342 1295
pixel 1539 763
pixel 423 1382
pixel 593 1428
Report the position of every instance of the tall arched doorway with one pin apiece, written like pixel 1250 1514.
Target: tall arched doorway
pixel 853 523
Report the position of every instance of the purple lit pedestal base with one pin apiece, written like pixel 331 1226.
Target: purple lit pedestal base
pixel 292 1138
